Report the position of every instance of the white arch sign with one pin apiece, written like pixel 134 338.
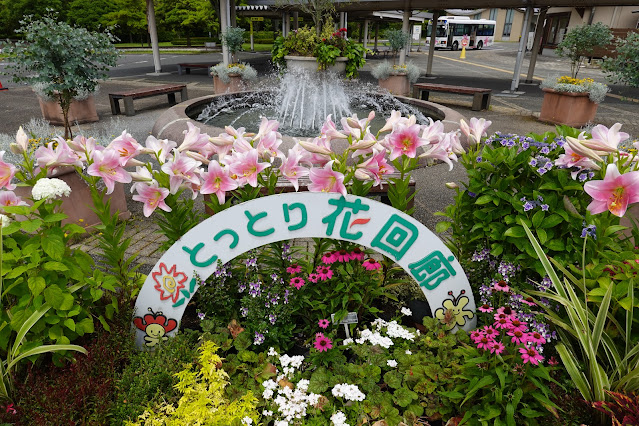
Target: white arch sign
pixel 226 235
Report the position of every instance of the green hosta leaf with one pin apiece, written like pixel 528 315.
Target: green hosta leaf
pixel 36 285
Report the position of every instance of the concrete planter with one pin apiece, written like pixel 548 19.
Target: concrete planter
pixel 80 111
pixel 235 85
pixel 571 109
pixel 309 63
pixel 397 84
pixel 78 205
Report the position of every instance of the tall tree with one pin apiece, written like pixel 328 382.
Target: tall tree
pixel 129 16
pixel 90 14
pixel 192 17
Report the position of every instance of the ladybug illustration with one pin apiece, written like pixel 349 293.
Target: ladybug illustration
pixel 155 325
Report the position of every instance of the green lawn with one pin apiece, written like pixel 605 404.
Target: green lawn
pixel 258 47
pixel 142 46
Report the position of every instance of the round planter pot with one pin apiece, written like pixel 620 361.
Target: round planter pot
pixel 80 111
pixel 397 84
pixel 235 85
pixel 309 63
pixel 571 109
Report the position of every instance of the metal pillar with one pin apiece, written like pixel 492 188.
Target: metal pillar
pixel 433 41
pixel 296 21
pixel 365 36
pixel 232 14
pixel 224 25
pixel 539 31
pixel 514 85
pixel 405 29
pixel 153 32
pixel 376 34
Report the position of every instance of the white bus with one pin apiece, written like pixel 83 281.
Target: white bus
pixel 452 29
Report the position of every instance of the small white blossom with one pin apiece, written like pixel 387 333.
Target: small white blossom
pixel 267 394
pixel 281 423
pixel 4 221
pixel 46 188
pixel 271 351
pixel 247 421
pixel 303 385
pixel 348 392
pixel 313 398
pixel 347 341
pixel 391 363
pixel 339 419
pixel 267 413
pixel 408 352
pixel 406 312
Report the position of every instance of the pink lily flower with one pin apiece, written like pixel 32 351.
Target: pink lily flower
pixel 326 180
pixel 223 144
pixel 291 169
pixel 160 147
pixel 84 147
pixel 240 144
pixel 392 120
pixel 180 169
pixel 22 142
pixel 614 193
pixel 126 146
pixel 329 129
pixel 604 139
pixel 476 130
pixel 140 176
pixel 315 152
pixel 266 126
pixel 196 141
pixel 441 151
pixel 217 181
pixel 433 132
pixel 9 198
pixel 152 197
pixel 404 140
pixel 580 149
pixel 375 167
pixel 573 159
pixel 366 145
pixel 247 167
pixel 268 146
pixel 106 165
pixel 7 171
pixel 62 155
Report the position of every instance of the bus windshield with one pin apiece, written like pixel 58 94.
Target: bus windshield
pixel 441 31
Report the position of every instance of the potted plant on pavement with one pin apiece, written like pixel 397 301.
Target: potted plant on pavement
pixel 64 63
pixel 571 101
pixel 396 78
pixel 231 78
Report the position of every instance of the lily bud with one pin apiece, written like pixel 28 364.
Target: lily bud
pixel 362 145
pixel 353 123
pixel 132 162
pixel 22 141
pixel 361 175
pixel 315 149
pixel 581 149
pixel 451 185
pixel 197 156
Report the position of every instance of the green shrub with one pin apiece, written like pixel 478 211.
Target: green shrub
pixel 625 67
pixel 581 41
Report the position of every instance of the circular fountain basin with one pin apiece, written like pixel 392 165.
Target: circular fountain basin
pixel 173 122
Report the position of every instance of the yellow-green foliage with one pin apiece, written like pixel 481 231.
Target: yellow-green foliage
pixel 203 401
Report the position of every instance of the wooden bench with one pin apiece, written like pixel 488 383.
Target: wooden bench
pixel 187 67
pixel 284 185
pixel 129 95
pixel 481 97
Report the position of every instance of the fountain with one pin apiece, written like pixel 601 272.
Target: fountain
pixel 301 103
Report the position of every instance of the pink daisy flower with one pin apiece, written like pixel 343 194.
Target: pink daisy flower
pixel 371 265
pixel 342 256
pixel 535 337
pixel 530 355
pixel 323 323
pixel 490 332
pixel 552 361
pixel 313 277
pixel 497 348
pixel 529 301
pixel 329 258
pixel 485 308
pixel 324 272
pixel 294 269
pixel 518 325
pixel 297 282
pixel 501 286
pixel 476 335
pixel 322 343
pixel 518 336
pixel 503 323
pixel 357 254
pixel 485 343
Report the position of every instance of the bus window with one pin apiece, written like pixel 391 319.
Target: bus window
pixel 459 30
pixel 441 31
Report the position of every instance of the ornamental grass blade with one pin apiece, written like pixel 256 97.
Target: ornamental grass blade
pixel 625 384
pixel 544 259
pixel 597 328
pixel 629 312
pixel 577 376
pixel 44 349
pixel 26 326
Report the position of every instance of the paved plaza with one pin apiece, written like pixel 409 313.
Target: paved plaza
pixel 489 68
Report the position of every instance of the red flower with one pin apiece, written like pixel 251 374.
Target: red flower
pixel 169 283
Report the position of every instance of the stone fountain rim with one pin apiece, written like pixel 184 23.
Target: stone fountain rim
pixel 173 122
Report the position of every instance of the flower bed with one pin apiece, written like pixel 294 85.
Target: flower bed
pixel 271 337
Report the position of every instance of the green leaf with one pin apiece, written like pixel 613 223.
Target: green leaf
pixel 515 231
pixel 54 217
pixel 53 245
pixel 404 396
pixel 614 229
pixel 55 266
pixel 31 225
pixel 70 324
pixel 484 199
pixel 45 349
pixel 556 245
pixel 36 285
pixel 552 221
pixel 16 272
pixel 442 226
pixel 58 298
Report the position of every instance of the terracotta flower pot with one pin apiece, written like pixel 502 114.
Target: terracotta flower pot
pixel 78 205
pixel 80 111
pixel 571 109
pixel 397 84
pixel 235 85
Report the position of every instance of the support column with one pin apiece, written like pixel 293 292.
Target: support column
pixel 405 29
pixel 433 41
pixel 284 16
pixel 539 31
pixel 376 34
pixel 153 32
pixel 232 14
pixel 224 25
pixel 288 23
pixel 296 21
pixel 365 36
pixel 522 48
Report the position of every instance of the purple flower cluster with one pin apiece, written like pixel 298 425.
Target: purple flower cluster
pixel 480 255
pixel 259 338
pixel 590 230
pixel 531 204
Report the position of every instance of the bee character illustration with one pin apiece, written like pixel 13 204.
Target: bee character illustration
pixel 452 312
pixel 155 325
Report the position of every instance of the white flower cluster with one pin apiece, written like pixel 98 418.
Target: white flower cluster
pixel 339 419
pixel 46 188
pixel 393 330
pixel 375 338
pixel 406 312
pixel 290 364
pixel 391 363
pixel 4 221
pixel 247 421
pixel 291 404
pixel 348 392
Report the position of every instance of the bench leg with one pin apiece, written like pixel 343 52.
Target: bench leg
pixel 425 94
pixel 188 70
pixel 485 104
pixel 128 106
pixel 477 101
pixel 179 70
pixel 115 106
pixel 184 95
pixel 171 98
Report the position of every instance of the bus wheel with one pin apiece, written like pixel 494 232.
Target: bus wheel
pixel 480 45
pixel 455 46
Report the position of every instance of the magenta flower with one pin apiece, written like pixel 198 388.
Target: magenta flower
pixel 404 140
pixel 62 155
pixel 106 165
pixel 313 277
pixel 503 323
pixel 152 197
pixel 196 141
pixel 343 256
pixel 247 168
pixel 217 181
pixel 371 265
pixel 181 169
pixel 322 343
pixel 324 272
pixel 294 269
pixel 518 325
pixel 323 323
pixel 376 166
pixel 476 335
pixel 535 337
pixel 160 147
pixel 126 146
pixel 501 286
pixel 329 257
pixel 614 193
pixel 297 282
pixel 357 254
pixel 326 180
pixel 530 355
pixel 497 348
pixel 485 308
pixel 7 171
pixel 604 139
pixel 518 336
pixel 9 198
pixel 490 332
pixel 485 343
pixel 291 168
